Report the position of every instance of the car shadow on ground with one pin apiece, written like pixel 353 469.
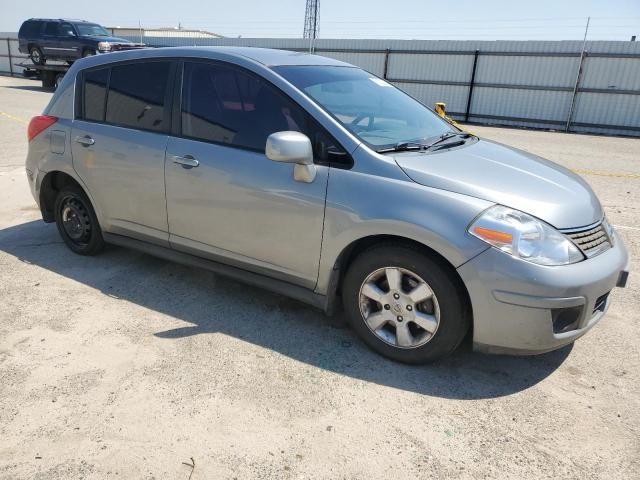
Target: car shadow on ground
pixel 212 304
pixel 29 88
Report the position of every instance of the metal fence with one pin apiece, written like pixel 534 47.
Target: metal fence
pixel 534 84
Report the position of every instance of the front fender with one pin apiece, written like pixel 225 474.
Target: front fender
pixel 361 205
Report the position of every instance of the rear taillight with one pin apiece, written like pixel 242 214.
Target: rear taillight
pixel 39 124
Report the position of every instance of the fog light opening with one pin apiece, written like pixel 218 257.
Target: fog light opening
pixel 566 319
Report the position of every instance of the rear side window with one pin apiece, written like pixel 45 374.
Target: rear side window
pixel 94 93
pixel 30 28
pixel 137 95
pixel 223 104
pixel 51 28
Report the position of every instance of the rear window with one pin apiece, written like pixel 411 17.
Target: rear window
pixel 137 94
pixel 95 91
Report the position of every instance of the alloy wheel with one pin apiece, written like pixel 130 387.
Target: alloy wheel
pixel 399 307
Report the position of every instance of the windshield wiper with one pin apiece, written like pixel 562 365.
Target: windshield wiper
pixel 447 136
pixel 406 146
pixel 403 147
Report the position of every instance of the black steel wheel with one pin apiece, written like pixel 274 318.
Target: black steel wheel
pixel 77 222
pixel 58 80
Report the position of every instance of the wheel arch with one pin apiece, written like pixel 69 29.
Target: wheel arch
pixel 360 245
pixel 51 184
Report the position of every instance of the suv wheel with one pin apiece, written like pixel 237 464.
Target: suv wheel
pixel 77 222
pixel 404 304
pixel 87 52
pixel 36 56
pixel 58 80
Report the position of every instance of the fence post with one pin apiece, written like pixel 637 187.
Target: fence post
pixel 386 63
pixel 9 54
pixel 575 91
pixel 471 84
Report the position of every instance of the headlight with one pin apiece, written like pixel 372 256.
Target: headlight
pixel 104 46
pixel 524 237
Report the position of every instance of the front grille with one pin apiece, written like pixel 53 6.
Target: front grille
pixel 592 241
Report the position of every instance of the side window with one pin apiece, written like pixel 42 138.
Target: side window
pixel 29 29
pixel 51 28
pixel 227 105
pixel 137 94
pixel 34 29
pixel 94 93
pixel 326 149
pixel 67 30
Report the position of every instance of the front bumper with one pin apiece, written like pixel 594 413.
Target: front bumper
pixel 516 304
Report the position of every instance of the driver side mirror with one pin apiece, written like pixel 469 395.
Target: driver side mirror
pixel 292 147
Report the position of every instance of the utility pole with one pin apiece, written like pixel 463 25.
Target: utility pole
pixel 311 22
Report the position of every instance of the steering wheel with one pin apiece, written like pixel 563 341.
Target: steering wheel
pixel 362 116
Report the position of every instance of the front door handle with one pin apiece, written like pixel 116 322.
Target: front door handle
pixel 85 141
pixel 188 161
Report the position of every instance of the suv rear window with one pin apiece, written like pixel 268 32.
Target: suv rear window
pixel 137 93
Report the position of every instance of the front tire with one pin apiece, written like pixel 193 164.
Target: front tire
pixel 405 304
pixel 36 55
pixel 77 221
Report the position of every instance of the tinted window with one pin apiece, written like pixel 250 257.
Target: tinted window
pixel 66 30
pixel 95 89
pixel 137 95
pixel 30 28
pixel 51 28
pixel 227 105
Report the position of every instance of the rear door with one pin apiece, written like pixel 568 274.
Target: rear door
pixel 237 206
pixel 119 142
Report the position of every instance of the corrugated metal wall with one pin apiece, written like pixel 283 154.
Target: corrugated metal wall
pixel 524 83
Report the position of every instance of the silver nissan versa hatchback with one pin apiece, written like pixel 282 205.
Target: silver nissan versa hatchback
pixel 315 179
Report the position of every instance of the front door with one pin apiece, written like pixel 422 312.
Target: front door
pixel 119 143
pixel 236 205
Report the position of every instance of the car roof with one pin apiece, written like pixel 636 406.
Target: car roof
pixel 70 20
pixel 267 56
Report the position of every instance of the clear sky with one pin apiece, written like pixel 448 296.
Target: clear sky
pixel 425 19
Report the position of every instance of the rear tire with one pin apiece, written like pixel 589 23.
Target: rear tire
pixel 36 56
pixel 58 80
pixel 77 221
pixel 405 304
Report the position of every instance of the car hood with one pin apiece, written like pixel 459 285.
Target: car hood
pixel 510 177
pixel 110 39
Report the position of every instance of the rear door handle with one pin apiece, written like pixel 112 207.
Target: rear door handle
pixel 188 161
pixel 86 141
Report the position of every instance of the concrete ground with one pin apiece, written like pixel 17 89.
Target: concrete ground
pixel 126 366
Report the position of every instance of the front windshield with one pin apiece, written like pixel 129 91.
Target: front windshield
pixel 375 111
pixel 91 30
